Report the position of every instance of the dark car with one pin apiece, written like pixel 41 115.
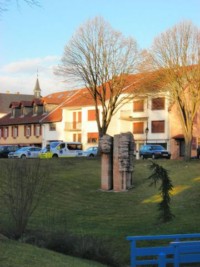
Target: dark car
pixel 5 150
pixel 154 152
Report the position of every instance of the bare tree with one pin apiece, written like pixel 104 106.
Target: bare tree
pixel 175 54
pixel 100 58
pixel 4 5
pixel 23 184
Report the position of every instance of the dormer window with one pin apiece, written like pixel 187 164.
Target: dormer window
pixel 13 113
pixel 22 111
pixel 44 108
pixel 35 109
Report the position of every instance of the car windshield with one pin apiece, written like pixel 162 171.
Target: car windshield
pixel 89 149
pixel 159 148
pixel 1 148
pixel 23 149
pixel 54 144
pixel 44 150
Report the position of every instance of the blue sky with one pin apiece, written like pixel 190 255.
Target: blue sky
pixel 34 37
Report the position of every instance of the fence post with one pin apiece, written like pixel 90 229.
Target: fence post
pixel 162 260
pixel 133 253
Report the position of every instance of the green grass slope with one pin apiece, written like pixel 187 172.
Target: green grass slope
pixel 16 254
pixel 76 204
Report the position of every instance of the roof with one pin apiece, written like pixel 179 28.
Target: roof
pixel 84 98
pixel 26 119
pixel 6 99
pixel 80 99
pixel 58 98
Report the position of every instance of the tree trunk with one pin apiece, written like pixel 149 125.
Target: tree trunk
pixel 188 146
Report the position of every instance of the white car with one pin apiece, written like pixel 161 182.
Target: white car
pixel 27 152
pixel 90 152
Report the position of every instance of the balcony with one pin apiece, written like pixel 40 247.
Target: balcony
pixel 73 126
pixel 129 115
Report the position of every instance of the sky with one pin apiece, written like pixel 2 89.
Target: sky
pixel 32 39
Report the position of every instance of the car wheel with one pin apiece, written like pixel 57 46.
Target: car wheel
pixel 55 156
pixel 142 157
pixel 23 156
pixel 153 156
pixel 91 155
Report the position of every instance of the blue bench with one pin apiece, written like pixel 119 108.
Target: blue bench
pixel 174 249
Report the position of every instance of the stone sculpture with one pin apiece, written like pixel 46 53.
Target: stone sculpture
pixel 117 162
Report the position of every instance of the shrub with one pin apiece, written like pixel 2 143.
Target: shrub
pixel 23 185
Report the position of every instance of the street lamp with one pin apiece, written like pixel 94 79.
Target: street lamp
pixel 146 132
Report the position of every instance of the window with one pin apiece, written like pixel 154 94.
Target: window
pixel 77 137
pixel 14 131
pixel 35 109
pixel 158 103
pixel 77 119
pixel 22 111
pixel 52 127
pixel 138 105
pixel 91 115
pixel 158 126
pixel 5 132
pixel 138 127
pixel 27 130
pixel 93 137
pixel 74 146
pixel 13 113
pixel 37 130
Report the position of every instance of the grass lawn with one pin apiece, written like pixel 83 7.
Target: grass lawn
pixel 16 254
pixel 76 204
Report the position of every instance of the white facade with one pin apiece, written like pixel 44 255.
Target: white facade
pixel 76 126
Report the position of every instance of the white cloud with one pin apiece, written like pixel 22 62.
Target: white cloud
pixel 21 76
pixel 29 65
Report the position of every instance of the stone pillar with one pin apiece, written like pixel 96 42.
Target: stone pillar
pixel 123 161
pixel 106 147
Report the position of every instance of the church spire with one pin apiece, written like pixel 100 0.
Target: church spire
pixel 37 90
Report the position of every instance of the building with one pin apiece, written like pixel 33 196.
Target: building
pixel 71 116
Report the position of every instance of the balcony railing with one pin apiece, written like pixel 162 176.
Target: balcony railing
pixel 129 115
pixel 73 126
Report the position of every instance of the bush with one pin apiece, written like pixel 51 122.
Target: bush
pixel 86 247
pixel 24 183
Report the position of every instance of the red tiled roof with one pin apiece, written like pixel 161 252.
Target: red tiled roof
pixel 27 119
pixel 58 98
pixel 26 103
pixel 80 99
pixel 54 116
pixel 14 104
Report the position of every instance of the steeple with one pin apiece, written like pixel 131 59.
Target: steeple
pixel 37 90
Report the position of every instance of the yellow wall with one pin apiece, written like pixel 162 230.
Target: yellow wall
pixel 21 139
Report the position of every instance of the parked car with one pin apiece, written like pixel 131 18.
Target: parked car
pixel 154 152
pixel 5 150
pixel 27 152
pixel 62 150
pixel 90 152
